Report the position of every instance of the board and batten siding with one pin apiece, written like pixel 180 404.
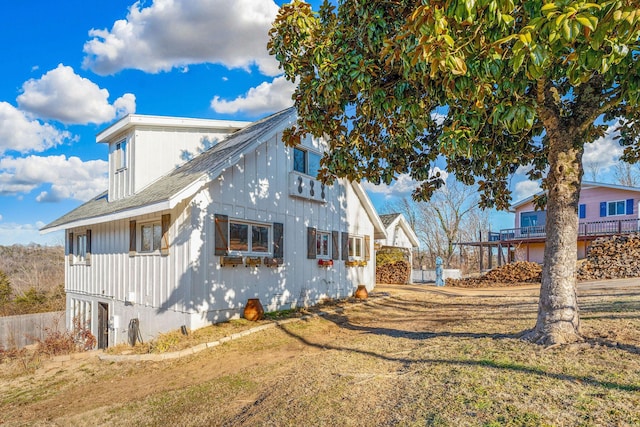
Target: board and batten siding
pixel 138 286
pixel 156 151
pixel 189 286
pixel 257 189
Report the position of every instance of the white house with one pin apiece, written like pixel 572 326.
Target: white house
pixel 202 215
pixel 399 233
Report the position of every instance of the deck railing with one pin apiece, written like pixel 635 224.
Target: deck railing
pixel 585 229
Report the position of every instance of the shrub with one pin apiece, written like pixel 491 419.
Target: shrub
pixel 56 342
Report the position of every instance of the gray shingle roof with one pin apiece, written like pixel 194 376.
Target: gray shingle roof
pixel 388 219
pixel 207 165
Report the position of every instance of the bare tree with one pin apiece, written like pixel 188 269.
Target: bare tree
pixel 592 170
pixel 451 216
pixel 627 174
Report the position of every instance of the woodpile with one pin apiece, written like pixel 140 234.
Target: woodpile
pixel 521 272
pixel 616 257
pixel 398 272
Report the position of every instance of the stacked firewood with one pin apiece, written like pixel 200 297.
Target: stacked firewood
pixel 521 272
pixel 398 272
pixel 616 257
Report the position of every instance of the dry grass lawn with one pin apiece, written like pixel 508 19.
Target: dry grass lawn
pixel 410 356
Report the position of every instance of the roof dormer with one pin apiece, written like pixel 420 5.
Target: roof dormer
pixel 145 148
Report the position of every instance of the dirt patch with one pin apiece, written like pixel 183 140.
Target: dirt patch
pixel 422 355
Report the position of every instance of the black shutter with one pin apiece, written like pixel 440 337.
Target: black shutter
pixel 335 245
pixel 222 235
pixel 164 245
pixel 132 238
pixel 70 248
pixel 88 255
pixel 345 246
pixel 311 243
pixel 278 240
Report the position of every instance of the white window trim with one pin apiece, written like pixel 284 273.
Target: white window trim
pixel 329 245
pixel 360 242
pixel 77 259
pixel 120 159
pixel 139 237
pixel 250 252
pixel 306 165
pixel 624 207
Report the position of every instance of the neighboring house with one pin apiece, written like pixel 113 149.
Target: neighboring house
pixel 399 234
pixel 202 215
pixel 604 209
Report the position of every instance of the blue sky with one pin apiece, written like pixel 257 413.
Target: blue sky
pixel 74 67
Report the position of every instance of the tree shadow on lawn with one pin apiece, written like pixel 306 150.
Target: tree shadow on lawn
pixel 591 310
pixel 508 366
pixel 420 306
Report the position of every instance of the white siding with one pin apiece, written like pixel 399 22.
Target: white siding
pixel 256 189
pixel 152 152
pixel 189 286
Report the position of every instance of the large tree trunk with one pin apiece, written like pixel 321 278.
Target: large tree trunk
pixel 558 316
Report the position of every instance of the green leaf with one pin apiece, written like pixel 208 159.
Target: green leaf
pixel 448 40
pixel 507 19
pixel 585 21
pixel 518 59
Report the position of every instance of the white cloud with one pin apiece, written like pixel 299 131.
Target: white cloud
pixel 524 189
pixel 23 134
pixel 0 217
pixel 403 184
pixel 601 154
pixel 61 94
pixel 68 178
pixel 267 97
pixel 176 33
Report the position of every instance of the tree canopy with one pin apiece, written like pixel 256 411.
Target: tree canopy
pixel 491 85
pixel 394 84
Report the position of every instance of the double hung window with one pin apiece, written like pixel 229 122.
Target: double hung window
pixel 323 245
pixel 355 247
pixel 79 245
pixel 150 237
pixel 81 248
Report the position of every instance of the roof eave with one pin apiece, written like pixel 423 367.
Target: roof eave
pixel 132 120
pixel 379 228
pixel 123 214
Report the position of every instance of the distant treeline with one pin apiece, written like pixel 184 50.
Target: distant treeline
pixel 31 279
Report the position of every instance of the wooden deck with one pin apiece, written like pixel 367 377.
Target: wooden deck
pixel 513 237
